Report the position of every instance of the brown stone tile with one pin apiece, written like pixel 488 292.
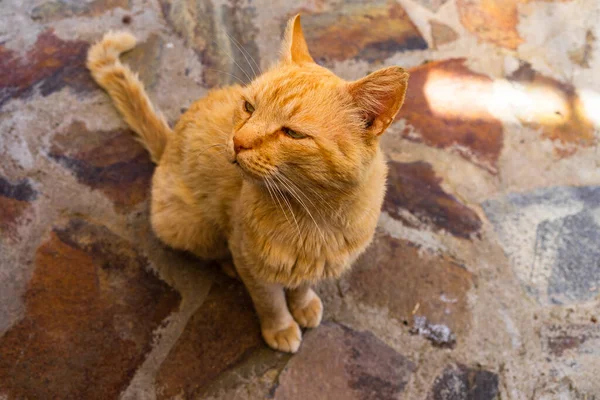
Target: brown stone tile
pixel 226 58
pixel 256 374
pixel 221 334
pixel 110 161
pixel 443 104
pixel 15 202
pixel 415 188
pixel 371 31
pixel 462 382
pixel 53 10
pixel 494 21
pixel 50 65
pixel 442 34
pixel 567 124
pixel 144 59
pixel 427 292
pixel 91 309
pixel 336 362
pixel 579 338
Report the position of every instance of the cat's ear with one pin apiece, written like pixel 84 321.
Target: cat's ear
pixel 294 48
pixel 379 96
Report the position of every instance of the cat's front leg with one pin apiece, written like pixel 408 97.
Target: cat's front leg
pixel 278 327
pixel 305 305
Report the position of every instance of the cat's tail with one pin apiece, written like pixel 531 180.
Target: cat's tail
pixel 127 92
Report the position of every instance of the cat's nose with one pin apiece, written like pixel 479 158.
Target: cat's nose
pixel 239 145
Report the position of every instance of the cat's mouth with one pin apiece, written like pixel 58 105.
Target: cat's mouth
pixel 247 169
pixel 252 171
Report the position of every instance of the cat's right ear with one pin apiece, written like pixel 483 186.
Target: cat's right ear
pixel 294 48
pixel 379 97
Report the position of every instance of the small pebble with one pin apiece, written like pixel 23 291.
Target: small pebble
pixel 170 45
pixel 126 19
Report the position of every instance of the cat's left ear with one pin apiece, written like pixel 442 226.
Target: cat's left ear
pixel 379 97
pixel 294 48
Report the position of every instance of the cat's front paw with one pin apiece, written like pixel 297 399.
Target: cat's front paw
pixel 309 315
pixel 287 339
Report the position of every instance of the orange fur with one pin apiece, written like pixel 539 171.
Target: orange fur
pixel 291 211
pixel 127 91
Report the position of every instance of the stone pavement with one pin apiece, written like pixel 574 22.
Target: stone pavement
pixel 484 278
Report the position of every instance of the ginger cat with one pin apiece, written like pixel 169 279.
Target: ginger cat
pixel 284 174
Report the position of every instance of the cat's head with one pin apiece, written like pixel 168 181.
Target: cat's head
pixel 299 122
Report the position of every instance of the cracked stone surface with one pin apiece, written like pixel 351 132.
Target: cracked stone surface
pixel 461 382
pixel 483 279
pixel 343 363
pixel 92 307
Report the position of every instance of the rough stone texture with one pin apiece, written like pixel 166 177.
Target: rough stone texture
pixel 443 108
pixel 494 21
pixel 220 335
pixel 491 21
pixel 415 188
pixel 110 161
pixel 60 9
pixel 223 45
pixel 433 5
pixel 559 341
pixel 50 65
pixel 581 55
pixel 551 236
pixel 145 60
pixel 462 382
pixel 426 292
pixel 571 350
pixel 257 373
pixel 15 201
pixel 370 31
pixel 482 280
pixel 338 362
pixel 563 120
pixel 92 308
pixel 442 34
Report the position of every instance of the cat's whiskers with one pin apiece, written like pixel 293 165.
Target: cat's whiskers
pixel 292 192
pixel 235 42
pixel 224 134
pixel 205 149
pixel 316 193
pixel 272 187
pixel 290 186
pixel 235 62
pixel 240 80
pixel 289 205
pixel 268 186
pixel 337 189
pixel 299 192
pixel 244 53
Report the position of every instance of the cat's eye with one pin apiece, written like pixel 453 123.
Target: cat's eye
pixel 293 134
pixel 248 107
